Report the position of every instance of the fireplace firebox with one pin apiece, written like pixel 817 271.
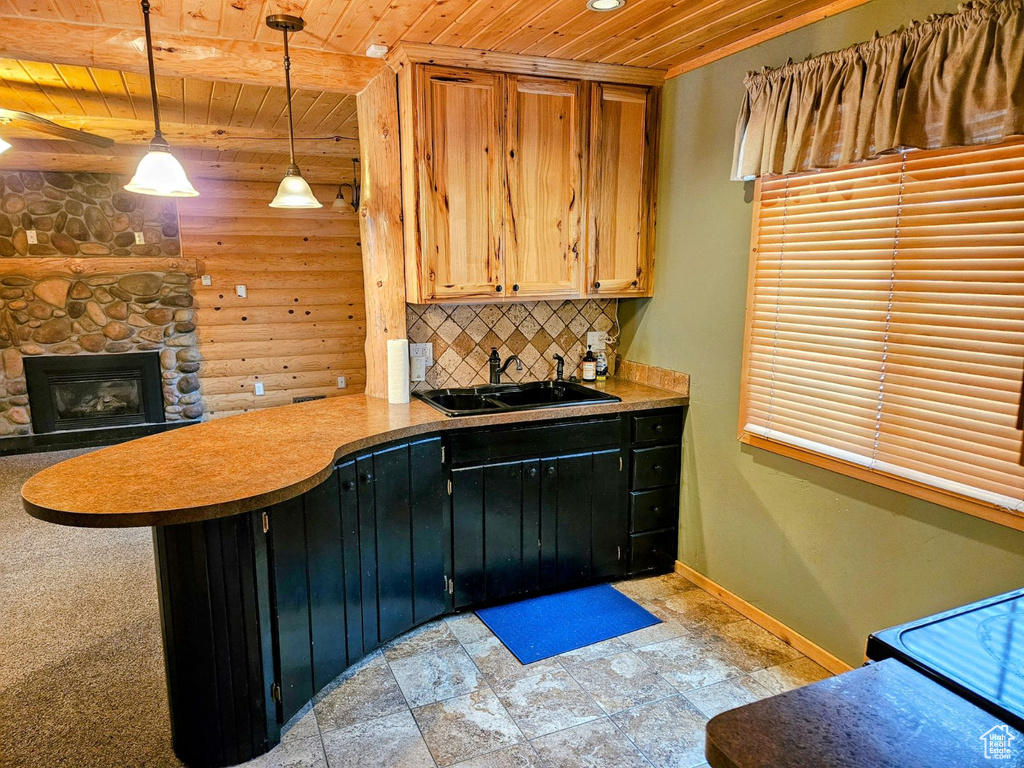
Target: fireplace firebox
pixel 94 391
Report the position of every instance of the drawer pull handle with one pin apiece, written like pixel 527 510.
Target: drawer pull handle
pixel 657 427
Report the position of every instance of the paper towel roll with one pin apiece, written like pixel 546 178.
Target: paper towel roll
pixel 398 370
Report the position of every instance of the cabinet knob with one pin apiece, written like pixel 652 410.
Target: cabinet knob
pixel 366 477
pixel 551 470
pixel 497 289
pixel 634 284
pixel 597 285
pixel 348 485
pixel 655 510
pixel 515 287
pixel 532 472
pixel 656 467
pixel 657 427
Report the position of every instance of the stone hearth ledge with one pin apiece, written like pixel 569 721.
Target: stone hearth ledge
pixel 240 463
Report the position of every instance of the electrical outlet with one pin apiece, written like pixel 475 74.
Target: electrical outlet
pixel 257 388
pixel 33 238
pixel 424 352
pixel 240 291
pixel 342 382
pixel 596 340
pixel 207 280
pixel 140 238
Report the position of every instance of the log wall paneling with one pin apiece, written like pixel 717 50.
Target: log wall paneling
pixel 302 323
pixel 380 222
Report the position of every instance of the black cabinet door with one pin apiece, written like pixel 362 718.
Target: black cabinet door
pixel 367 514
pixel 349 504
pixel 574 518
pixel 496 531
pixel 430 530
pixel 326 572
pixel 394 540
pixel 290 601
pixel 610 515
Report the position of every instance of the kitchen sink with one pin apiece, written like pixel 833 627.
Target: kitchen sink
pixel 500 398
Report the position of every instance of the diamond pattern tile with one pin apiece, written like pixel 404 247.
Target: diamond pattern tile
pixel 463 335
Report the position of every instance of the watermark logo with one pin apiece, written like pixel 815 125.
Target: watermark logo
pixel 997 742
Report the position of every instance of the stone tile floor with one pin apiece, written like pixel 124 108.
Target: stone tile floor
pixel 449 693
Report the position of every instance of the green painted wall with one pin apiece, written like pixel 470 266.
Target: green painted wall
pixel 832 557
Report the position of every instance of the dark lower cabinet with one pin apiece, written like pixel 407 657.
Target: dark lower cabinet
pixel 262 610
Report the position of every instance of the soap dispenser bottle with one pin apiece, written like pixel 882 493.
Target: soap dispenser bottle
pixel 589 365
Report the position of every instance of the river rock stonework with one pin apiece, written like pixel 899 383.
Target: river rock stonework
pixel 100 314
pixel 82 214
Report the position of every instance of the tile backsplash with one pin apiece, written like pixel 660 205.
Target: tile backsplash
pixel 463 334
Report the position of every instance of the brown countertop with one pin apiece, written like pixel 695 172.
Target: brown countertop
pixel 240 463
pixel 882 716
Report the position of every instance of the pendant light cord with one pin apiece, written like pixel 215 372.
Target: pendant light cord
pixel 152 73
pixel 288 89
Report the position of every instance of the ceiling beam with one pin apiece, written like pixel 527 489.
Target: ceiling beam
pixel 183 55
pixel 133 132
pixel 125 165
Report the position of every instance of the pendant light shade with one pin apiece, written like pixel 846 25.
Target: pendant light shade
pixel 4 146
pixel 159 173
pixel 293 192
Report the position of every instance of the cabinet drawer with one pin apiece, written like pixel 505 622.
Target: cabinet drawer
pixel 653 509
pixel 661 426
pixel 655 550
pixel 653 467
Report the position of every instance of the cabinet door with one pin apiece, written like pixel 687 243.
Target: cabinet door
pixel 621 185
pixel 367 513
pixel 392 502
pixel 460 184
pixel 325 568
pixel 544 156
pixel 430 539
pixel 348 495
pixel 574 518
pixel 610 536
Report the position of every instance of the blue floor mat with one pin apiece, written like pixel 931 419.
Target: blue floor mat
pixel 546 626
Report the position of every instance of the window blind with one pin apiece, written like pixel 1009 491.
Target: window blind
pixel 886 320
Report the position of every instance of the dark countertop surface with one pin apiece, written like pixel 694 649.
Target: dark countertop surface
pixel 227 466
pixel 881 716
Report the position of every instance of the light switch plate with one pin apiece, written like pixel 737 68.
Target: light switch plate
pixel 207 280
pixel 342 382
pixel 140 238
pixel 424 351
pixel 240 291
pixel 257 388
pixel 417 369
pixel 596 340
pixel 33 238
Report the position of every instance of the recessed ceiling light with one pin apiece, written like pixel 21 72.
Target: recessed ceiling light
pixel 605 5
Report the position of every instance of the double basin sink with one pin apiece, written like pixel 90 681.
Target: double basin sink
pixel 501 398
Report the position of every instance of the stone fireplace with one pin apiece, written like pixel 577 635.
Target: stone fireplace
pixel 60 322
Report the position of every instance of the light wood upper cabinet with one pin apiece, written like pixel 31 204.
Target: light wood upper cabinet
pixel 621 190
pixel 518 187
pixel 459 174
pixel 545 145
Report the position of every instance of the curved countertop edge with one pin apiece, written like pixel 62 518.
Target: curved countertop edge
pixel 53 494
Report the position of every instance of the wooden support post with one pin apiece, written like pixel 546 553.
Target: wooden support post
pixel 380 224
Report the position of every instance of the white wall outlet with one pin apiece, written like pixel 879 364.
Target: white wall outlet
pixel 342 382
pixel 33 238
pixel 240 291
pixel 207 280
pixel 257 388
pixel 417 369
pixel 596 340
pixel 140 238
pixel 423 351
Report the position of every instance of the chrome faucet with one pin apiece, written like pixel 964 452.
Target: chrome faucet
pixel 496 368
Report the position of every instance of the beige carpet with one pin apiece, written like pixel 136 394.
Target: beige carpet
pixel 81 665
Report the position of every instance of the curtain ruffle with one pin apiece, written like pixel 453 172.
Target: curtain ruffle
pixel 953 80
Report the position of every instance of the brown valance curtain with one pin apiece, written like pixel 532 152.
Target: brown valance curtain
pixel 953 80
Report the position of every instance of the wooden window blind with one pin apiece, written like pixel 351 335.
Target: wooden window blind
pixel 885 324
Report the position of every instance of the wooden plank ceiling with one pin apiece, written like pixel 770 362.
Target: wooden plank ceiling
pixel 218 129
pixel 674 35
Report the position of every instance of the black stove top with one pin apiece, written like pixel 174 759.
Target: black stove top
pixel 976 651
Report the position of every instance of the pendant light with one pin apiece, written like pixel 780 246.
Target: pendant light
pixel 293 192
pixel 340 203
pixel 159 173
